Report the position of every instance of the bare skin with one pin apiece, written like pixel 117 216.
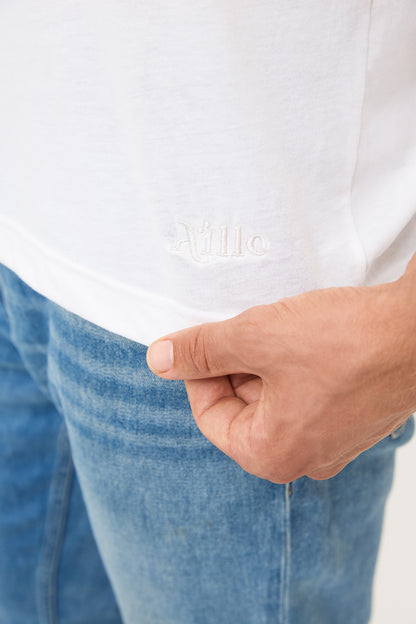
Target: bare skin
pixel 304 385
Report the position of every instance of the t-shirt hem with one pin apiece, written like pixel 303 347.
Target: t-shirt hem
pixel 123 310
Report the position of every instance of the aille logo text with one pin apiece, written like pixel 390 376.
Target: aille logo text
pixel 205 241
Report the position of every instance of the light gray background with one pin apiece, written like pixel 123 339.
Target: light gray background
pixel 394 598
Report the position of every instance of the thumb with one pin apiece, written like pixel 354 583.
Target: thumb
pixel 199 352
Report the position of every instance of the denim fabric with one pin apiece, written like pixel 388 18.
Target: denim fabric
pixel 114 508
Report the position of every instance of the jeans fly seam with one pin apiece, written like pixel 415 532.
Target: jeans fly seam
pixel 285 562
pixel 55 525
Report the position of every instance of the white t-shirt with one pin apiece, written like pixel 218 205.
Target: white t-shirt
pixel 169 162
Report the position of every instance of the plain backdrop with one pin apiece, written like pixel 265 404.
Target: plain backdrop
pixel 394 598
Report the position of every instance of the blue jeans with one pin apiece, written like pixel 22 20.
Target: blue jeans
pixel 114 508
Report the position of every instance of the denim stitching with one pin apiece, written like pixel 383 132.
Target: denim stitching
pixel 55 525
pixel 285 561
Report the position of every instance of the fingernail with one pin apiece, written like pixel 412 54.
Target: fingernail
pixel 160 356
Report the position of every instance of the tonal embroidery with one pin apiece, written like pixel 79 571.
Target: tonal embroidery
pixel 206 240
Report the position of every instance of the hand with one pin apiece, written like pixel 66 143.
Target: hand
pixel 301 386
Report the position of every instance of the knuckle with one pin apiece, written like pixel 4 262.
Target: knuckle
pixel 286 471
pixel 286 310
pixel 322 474
pixel 255 327
pixel 327 472
pixel 284 474
pixel 295 454
pixel 277 464
pixel 295 461
pixel 247 327
pixel 282 308
pixel 251 322
pixel 197 351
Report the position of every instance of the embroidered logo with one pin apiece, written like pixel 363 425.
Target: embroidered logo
pixel 204 242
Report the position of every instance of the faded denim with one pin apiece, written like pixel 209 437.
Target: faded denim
pixel 114 508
